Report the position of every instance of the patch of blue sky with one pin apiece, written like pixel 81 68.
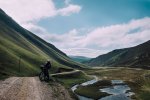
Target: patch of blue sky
pixel 97 13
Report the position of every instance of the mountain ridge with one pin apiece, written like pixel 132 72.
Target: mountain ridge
pixel 137 56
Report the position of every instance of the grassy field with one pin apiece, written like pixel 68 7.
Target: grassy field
pixel 137 79
pixel 69 79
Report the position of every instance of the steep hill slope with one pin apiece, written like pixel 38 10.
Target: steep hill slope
pixel 138 56
pixel 17 43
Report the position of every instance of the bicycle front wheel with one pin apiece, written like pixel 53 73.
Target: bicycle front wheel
pixel 42 76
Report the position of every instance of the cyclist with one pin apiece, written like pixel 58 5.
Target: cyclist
pixel 47 66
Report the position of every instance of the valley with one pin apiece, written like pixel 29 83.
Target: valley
pixel 121 74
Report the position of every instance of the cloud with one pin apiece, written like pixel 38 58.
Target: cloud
pixel 24 11
pixel 86 52
pixel 102 39
pixel 66 40
pixel 35 28
pixel 120 35
pixel 69 10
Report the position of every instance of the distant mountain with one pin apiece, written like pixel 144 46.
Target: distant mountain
pixel 17 43
pixel 80 58
pixel 138 56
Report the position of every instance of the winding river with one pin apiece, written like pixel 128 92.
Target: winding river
pixel 119 90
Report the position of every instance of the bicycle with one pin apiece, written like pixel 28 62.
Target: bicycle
pixel 42 75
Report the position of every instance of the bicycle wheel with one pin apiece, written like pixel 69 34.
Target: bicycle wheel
pixel 46 78
pixel 42 76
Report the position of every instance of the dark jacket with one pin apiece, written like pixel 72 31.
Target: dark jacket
pixel 48 65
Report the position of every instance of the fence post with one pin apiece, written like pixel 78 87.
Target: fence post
pixel 19 64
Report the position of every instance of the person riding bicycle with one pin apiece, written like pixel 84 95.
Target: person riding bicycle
pixel 47 66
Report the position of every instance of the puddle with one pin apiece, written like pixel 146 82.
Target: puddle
pixel 116 97
pixel 119 90
pixel 90 82
pixel 80 97
pixel 116 82
pixel 74 87
pixel 84 84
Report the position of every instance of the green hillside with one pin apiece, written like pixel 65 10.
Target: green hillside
pixel 18 43
pixel 138 56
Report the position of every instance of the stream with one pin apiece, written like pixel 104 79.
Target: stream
pixel 118 91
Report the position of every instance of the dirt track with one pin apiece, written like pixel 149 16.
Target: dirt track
pixel 30 88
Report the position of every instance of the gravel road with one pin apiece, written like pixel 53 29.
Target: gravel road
pixel 31 88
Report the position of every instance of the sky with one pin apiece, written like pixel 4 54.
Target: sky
pixel 84 27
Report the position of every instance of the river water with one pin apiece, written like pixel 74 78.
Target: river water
pixel 119 90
